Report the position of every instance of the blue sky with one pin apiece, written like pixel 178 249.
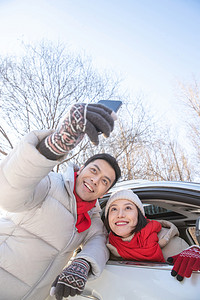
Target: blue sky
pixel 152 44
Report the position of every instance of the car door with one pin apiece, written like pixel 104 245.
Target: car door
pixel 141 281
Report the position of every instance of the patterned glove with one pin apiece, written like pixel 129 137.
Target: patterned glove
pixel 80 119
pixel 185 262
pixel 72 280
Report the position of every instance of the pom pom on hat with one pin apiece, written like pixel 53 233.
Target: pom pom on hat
pixel 124 195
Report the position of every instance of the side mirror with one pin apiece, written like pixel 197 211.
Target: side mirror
pixel 198 230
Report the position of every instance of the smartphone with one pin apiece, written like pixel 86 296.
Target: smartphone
pixel 112 104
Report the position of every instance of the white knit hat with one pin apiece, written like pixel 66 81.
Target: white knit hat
pixel 124 195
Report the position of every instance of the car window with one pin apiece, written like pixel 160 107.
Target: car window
pixel 191 231
pixel 160 213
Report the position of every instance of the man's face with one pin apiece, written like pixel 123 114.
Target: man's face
pixel 94 180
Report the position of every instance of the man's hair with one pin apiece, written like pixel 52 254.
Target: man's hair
pixel 110 160
pixel 142 222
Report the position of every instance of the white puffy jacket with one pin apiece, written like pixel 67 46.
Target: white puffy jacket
pixel 37 227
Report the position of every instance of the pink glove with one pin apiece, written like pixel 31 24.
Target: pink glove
pixel 185 262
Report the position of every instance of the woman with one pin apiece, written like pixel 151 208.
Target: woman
pixel 134 237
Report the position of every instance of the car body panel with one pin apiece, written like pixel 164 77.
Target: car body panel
pixel 126 281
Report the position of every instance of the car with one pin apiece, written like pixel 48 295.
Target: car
pixel 177 202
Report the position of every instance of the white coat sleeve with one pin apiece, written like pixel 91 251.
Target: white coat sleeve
pixel 94 249
pixel 23 173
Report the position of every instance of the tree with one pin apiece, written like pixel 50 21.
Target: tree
pixel 166 160
pixel 37 88
pixel 132 129
pixel 189 96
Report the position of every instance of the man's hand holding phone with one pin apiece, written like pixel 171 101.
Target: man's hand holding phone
pixel 81 119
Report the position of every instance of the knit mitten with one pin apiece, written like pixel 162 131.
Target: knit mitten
pixel 80 119
pixel 185 262
pixel 72 280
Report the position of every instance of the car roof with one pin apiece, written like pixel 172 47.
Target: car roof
pixel 170 200
pixel 130 184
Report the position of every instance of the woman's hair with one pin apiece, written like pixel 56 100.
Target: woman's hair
pixel 142 222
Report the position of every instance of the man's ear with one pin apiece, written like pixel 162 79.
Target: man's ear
pixel 79 171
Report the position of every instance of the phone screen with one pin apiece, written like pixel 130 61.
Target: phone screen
pixel 112 104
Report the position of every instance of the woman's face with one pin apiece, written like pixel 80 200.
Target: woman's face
pixel 123 217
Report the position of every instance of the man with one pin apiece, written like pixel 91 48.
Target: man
pixel 48 215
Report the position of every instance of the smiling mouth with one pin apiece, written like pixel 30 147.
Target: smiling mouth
pixel 89 187
pixel 121 223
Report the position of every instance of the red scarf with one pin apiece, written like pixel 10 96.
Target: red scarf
pixel 143 246
pixel 83 219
